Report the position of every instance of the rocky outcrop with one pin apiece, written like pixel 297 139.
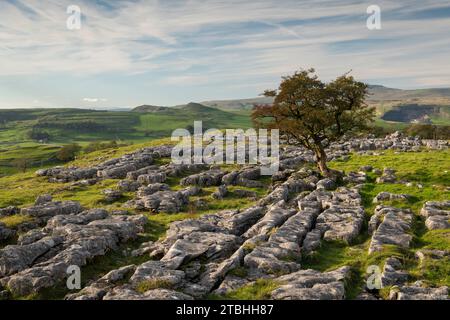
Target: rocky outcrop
pixel 162 201
pixel 388 176
pixel 437 214
pixel 312 285
pixel 117 168
pixel 355 177
pixel 9 211
pixel 112 195
pixel 246 177
pixel 98 289
pixel 204 179
pixel 390 226
pixel 221 251
pixel 5 233
pixel 42 260
pixel 342 218
pixel 152 177
pixel 417 292
pixel 123 293
pixel 393 273
pixel 387 196
pixel 281 252
pixel 43 212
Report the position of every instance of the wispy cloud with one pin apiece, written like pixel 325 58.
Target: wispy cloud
pixel 224 43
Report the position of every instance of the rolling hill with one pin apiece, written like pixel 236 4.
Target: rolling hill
pixel 392 105
pixel 37 134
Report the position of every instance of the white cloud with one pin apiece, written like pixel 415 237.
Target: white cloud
pixel 95 100
pixel 219 41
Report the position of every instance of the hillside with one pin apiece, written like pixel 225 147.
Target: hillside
pixel 265 248
pixel 37 134
pixel 393 105
pixel 149 108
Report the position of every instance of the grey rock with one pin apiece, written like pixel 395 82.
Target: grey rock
pixel 41 264
pixel 237 222
pixel 392 230
pixel 388 176
pixel 204 179
pixel 128 185
pixel 366 168
pixel 326 184
pixel 387 196
pixel 392 273
pixel 5 233
pixel 206 244
pixel 437 214
pixel 151 189
pixel 47 210
pixel 312 285
pixel 15 258
pixel 241 193
pixel 42 199
pixel 152 177
pixel 275 216
pixel 112 195
pixel 9 211
pixel 157 272
pixel 312 241
pixel 418 293
pixel 98 289
pixel 230 283
pixel 221 192
pixel 121 293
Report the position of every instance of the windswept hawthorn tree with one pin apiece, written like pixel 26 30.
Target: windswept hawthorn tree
pixel 313 114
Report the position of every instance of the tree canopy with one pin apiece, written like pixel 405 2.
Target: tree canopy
pixel 313 114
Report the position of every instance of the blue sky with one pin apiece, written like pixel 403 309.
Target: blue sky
pixel 134 52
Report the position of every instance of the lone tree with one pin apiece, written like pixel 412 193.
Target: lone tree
pixel 313 114
pixel 68 152
pixel 21 164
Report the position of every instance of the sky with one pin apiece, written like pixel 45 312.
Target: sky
pixel 132 52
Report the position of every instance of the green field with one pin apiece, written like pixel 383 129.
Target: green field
pixel 79 126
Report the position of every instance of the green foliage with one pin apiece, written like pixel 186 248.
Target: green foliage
pixel 428 131
pixel 314 113
pixel 22 128
pixel 96 146
pixel 21 164
pixel 68 152
pixel 36 134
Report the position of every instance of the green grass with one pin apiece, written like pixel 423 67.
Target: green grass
pixel 15 220
pixel 431 169
pixel 259 290
pixel 147 285
pixel 67 126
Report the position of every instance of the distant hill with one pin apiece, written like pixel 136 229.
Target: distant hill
pixel 242 104
pixel 381 93
pixel 392 105
pixel 411 106
pixel 150 108
pixel 193 108
pixel 190 110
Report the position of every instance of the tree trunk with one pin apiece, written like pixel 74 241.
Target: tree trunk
pixel 322 161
